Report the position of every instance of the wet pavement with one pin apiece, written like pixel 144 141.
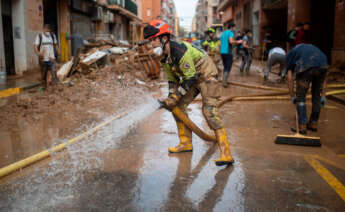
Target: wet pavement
pixel 126 165
pixel 26 81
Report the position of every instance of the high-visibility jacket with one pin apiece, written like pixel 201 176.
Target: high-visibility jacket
pixel 180 63
pixel 211 45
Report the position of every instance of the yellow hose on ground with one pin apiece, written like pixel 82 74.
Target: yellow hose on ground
pixel 336 86
pixel 180 115
pixel 257 86
pixel 248 98
pixel 231 98
pixel 46 153
pixel 277 89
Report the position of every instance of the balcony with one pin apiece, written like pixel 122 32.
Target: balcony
pixel 217 21
pixel 127 4
pixel 117 2
pixel 131 7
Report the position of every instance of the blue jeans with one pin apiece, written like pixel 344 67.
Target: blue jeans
pixel 45 67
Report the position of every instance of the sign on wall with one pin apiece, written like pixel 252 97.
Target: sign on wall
pixel 35 14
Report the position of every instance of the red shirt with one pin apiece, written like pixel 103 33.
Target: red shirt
pixel 299 37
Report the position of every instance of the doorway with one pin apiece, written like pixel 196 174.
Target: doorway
pixel 247 17
pixel 322 29
pixel 6 14
pixel 50 14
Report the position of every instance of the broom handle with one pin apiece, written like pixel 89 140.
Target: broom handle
pixel 297 125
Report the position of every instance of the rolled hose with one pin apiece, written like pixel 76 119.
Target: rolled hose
pixel 181 116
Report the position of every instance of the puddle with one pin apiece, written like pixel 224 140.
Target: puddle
pixel 57 182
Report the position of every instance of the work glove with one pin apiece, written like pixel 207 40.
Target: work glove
pixel 293 100
pixel 170 102
pixel 188 83
pixel 323 101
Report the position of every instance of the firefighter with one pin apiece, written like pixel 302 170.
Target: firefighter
pixel 193 70
pixel 211 46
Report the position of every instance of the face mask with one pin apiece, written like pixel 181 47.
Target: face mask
pixel 158 51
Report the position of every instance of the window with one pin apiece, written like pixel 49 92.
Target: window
pixel 148 13
pixel 214 11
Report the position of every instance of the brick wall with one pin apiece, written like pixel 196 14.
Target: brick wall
pixel 338 51
pixel 298 11
pixel 155 10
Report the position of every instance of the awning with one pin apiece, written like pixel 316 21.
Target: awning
pixel 126 13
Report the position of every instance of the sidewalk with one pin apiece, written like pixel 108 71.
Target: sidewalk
pixel 16 84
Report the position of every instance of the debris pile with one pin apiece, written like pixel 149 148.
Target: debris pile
pixel 103 53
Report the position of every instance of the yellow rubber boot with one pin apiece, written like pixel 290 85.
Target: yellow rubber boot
pixel 185 136
pixel 225 157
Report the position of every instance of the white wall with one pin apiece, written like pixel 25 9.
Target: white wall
pixel 19 35
pixel 2 52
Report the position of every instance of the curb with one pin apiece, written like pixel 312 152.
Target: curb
pixel 13 91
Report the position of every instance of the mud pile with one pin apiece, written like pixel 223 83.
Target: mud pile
pixel 82 99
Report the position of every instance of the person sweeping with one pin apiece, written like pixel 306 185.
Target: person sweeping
pixel 309 64
pixel 192 69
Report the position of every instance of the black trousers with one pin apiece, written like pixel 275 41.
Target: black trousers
pixel 227 62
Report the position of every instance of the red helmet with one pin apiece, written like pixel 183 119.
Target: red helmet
pixel 156 28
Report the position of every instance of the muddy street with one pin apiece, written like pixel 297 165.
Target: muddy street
pixel 125 166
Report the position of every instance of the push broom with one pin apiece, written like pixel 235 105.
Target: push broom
pixel 298 139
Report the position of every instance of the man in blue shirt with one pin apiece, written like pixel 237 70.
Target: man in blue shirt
pixel 309 64
pixel 226 42
pixel 248 49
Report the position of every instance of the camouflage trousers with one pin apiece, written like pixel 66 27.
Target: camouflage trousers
pixel 210 91
pixel 216 59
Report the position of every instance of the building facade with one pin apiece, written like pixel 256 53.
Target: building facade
pixel 206 15
pixel 151 9
pixel 22 20
pixel 160 9
pixel 279 16
pixel 168 14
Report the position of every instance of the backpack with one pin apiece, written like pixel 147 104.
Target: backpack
pixel 40 43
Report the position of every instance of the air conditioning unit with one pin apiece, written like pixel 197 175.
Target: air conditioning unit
pixel 98 14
